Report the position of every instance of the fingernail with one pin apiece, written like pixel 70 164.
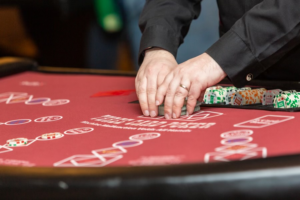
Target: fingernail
pixel 157 102
pixel 187 113
pixel 146 113
pixel 167 116
pixel 153 114
pixel 174 115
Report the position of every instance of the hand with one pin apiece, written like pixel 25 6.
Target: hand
pixel 157 64
pixel 196 74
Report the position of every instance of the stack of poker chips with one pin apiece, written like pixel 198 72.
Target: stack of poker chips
pixel 230 91
pixel 231 95
pixel 269 96
pixel 248 97
pixel 16 142
pixel 209 96
pixel 287 99
pixel 215 96
pixel 161 111
pixel 221 95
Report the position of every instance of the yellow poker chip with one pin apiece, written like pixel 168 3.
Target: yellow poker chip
pixel 16 142
pixel 52 135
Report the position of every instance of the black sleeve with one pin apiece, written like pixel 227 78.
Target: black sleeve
pixel 164 23
pixel 258 40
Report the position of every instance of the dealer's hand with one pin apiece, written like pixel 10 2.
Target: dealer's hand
pixel 157 64
pixel 188 80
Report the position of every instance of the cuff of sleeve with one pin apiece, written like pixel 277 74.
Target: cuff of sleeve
pixel 158 36
pixel 235 58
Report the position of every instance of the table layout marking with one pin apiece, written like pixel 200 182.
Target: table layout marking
pixel 4 148
pixel 18 122
pixel 48 118
pixel 25 121
pixel 21 97
pixel 31 83
pixel 236 146
pixel 35 101
pixel 199 115
pixel 56 102
pixel 264 121
pixel 77 131
pixel 103 157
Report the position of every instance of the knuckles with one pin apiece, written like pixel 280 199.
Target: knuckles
pixel 151 90
pixel 180 93
pixel 190 104
pixel 177 105
pixel 169 93
pixel 142 90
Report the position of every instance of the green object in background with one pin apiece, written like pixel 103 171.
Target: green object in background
pixel 108 15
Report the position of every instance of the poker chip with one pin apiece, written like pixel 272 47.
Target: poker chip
pixel 16 142
pixel 48 136
pixel 248 97
pixel 287 91
pixel 161 111
pixel 207 94
pixel 269 95
pixel 287 99
pixel 230 91
pixel 215 96
pixel 221 95
pixel 279 102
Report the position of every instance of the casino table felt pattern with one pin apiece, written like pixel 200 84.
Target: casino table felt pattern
pixel 114 128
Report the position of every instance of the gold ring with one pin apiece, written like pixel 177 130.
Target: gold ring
pixel 184 87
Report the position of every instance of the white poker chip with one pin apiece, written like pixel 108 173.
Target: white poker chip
pixel 16 142
pixel 53 135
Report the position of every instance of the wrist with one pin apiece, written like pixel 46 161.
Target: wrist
pixel 157 52
pixel 215 66
pixel 154 50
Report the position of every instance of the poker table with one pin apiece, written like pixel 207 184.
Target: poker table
pixel 108 150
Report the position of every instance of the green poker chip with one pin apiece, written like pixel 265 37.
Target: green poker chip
pixel 287 99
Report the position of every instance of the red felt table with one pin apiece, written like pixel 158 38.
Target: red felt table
pixel 106 138
pixel 109 131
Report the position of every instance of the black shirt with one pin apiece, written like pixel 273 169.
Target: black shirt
pixel 258 37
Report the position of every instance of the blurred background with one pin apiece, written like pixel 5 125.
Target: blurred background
pixel 102 34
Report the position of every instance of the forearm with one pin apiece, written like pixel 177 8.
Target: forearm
pixel 164 23
pixel 258 40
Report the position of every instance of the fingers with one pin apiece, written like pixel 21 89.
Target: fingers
pixel 161 95
pixel 137 83
pixel 167 87
pixel 156 65
pixel 162 89
pixel 169 98
pixel 200 99
pixel 151 94
pixel 179 97
pixel 174 95
pixel 142 96
pixel 146 88
pixel 194 93
pixel 161 77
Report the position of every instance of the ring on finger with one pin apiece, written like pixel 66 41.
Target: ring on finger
pixel 184 87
